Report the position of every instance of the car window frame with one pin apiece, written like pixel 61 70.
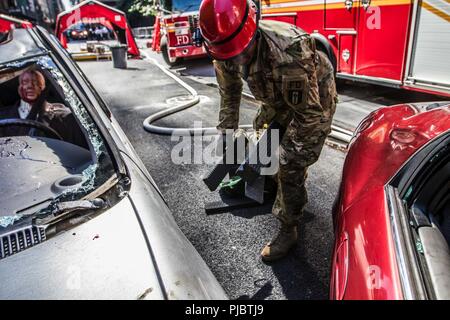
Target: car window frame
pixel 94 100
pixel 414 273
pixel 78 84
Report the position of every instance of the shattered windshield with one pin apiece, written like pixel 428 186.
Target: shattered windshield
pixel 50 148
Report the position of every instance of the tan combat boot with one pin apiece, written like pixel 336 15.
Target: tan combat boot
pixel 281 244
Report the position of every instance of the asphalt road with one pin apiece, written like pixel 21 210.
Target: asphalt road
pixel 230 242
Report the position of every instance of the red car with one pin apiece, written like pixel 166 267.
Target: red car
pixel 392 215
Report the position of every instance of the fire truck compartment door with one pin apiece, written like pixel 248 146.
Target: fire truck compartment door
pixel 341 14
pixel 346 51
pixel 382 39
pixel 430 61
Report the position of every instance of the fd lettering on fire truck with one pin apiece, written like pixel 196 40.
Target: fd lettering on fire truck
pixel 398 43
pixel 174 29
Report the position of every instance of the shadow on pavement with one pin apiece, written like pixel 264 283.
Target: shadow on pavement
pixel 298 279
pixel 197 67
pixel 263 292
pixel 134 69
pixel 249 213
pixel 379 94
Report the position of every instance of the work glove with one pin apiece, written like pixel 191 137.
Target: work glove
pixel 227 137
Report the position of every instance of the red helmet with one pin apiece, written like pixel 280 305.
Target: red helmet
pixel 227 26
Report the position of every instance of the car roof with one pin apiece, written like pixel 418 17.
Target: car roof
pixel 20 44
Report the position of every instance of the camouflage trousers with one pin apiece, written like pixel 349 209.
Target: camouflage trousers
pixel 300 150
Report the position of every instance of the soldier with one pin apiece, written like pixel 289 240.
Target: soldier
pixel 295 85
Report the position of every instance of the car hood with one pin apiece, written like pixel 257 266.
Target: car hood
pixel 105 258
pixel 385 140
pixel 35 170
pixel 134 250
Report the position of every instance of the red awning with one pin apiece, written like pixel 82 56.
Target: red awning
pixel 93 11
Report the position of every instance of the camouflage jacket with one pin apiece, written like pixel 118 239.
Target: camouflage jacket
pixel 278 76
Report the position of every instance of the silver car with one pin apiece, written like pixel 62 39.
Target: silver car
pixel 80 216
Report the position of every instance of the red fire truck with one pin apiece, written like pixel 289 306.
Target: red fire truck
pixel 174 29
pixel 399 43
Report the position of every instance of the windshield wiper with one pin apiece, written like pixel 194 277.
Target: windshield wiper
pixel 69 206
pixel 62 209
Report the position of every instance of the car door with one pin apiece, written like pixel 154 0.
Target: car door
pixel 419 198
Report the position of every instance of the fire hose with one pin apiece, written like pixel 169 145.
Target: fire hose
pixel 336 133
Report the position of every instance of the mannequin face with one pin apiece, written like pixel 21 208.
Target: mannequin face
pixel 31 85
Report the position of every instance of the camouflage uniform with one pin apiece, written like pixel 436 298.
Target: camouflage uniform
pixel 295 84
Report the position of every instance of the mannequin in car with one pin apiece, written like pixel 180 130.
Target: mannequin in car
pixel 33 106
